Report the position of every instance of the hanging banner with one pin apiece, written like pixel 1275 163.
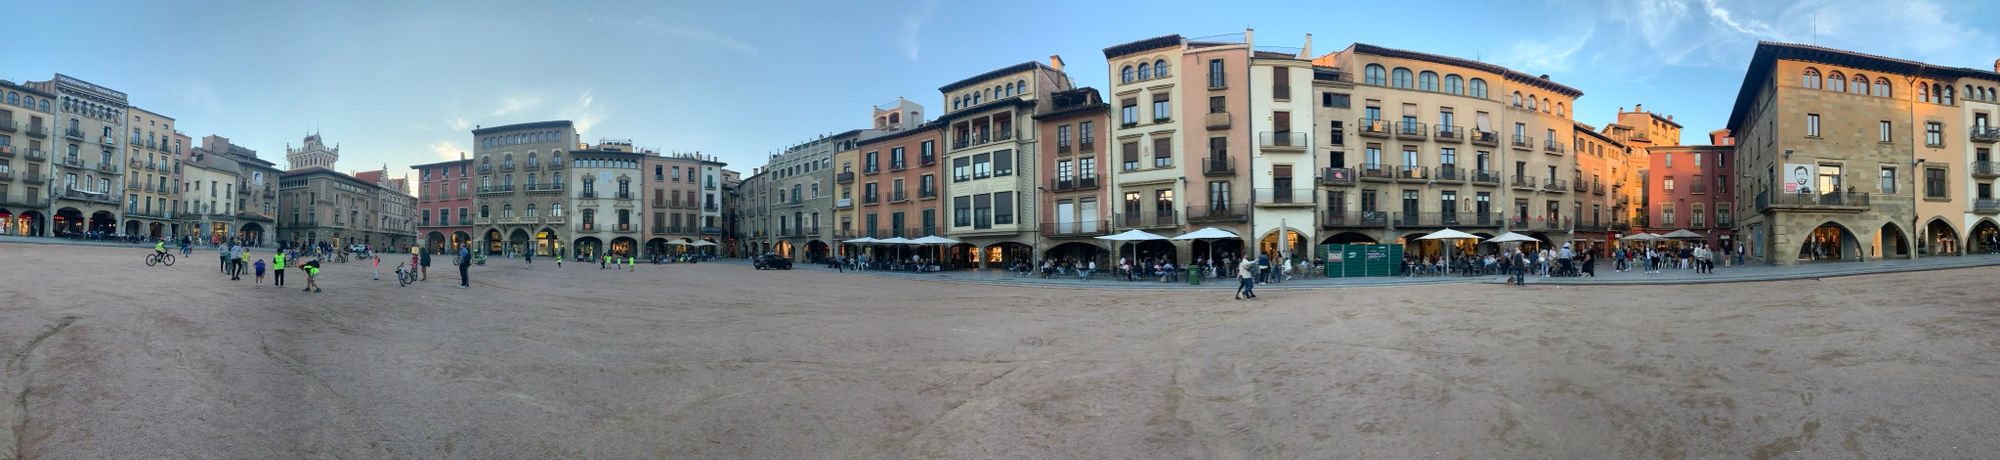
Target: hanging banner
pixel 1798 178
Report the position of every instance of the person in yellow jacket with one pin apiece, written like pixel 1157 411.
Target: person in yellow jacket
pixel 278 268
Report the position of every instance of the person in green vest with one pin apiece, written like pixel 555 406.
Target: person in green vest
pixel 631 263
pixel 278 268
pixel 607 261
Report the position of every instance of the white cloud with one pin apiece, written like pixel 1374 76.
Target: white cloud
pixel 1552 55
pixel 446 150
pixel 695 35
pixel 1750 27
pixel 458 123
pixel 584 112
pixel 910 41
pixel 511 104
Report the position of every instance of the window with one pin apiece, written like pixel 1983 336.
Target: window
pixel 1374 75
pixel 1145 70
pixel 1083 134
pixel 1666 214
pixel 1860 86
pixel 1427 81
pixel 927 152
pixel 1886 136
pixel 1836 81
pixel 1160 68
pixel 896 158
pixel 1696 215
pixel 1163 152
pixel 1478 88
pixel 1003 208
pixel 1810 79
pixel 1812 125
pixel 1668 158
pixel 1934 183
pixel 961 169
pixel 982 166
pixel 1281 83
pixel 1003 163
pixel 1128 111
pixel 1667 183
pixel 1934 134
pixel 1400 78
pixel 1218 104
pixel 982 211
pixel 1517 100
pixel 1130 156
pixel 1162 110
pixel 1882 87
pixel 1216 77
pixel 1454 84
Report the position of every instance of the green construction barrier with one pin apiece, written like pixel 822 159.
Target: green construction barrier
pixel 1355 260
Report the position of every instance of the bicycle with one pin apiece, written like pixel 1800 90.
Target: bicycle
pixel 159 258
pixel 404 275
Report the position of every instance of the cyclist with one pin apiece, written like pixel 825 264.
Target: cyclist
pixel 159 247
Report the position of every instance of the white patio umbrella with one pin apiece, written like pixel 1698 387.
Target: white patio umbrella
pixel 1132 235
pixel 1447 235
pixel 1681 234
pixel 934 239
pixel 861 240
pixel 1210 233
pixel 1511 237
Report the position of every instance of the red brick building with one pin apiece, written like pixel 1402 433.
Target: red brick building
pixel 1692 187
pixel 444 204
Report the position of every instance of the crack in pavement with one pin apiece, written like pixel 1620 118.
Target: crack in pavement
pixel 16 371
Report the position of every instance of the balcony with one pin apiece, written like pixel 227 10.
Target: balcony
pixel 37 155
pixel 33 178
pixel 1146 219
pixel 1725 221
pixel 925 193
pixel 1486 138
pixel 6 175
pixel 1289 141
pixel 1834 202
pixel 587 195
pixel 37 131
pixel 1219 212
pixel 664 229
pixel 1520 142
pixel 870 169
pixel 1985 134
pixel 899 196
pixel 494 189
pixel 708 186
pixel 6 151
pixel 1450 174
pixel 544 188
pixel 1596 187
pixel 1410 130
pixel 1552 223
pixel 844 177
pixel 843 203
pixel 7 124
pixel 1551 146
pixel 555 165
pixel 898 165
pixel 1336 176
pixel 1984 169
pixel 1086 145
pixel 1579 186
pixel 506 167
pixel 1449 133
pixel 870 199
pixel 1520 182
pixel 1372 128
pixel 1282 197
pixel 107 168
pixel 709 230
pixel 710 207
pixel 1413 173
pixel 662 204
pixel 1218 166
pixel 1071 229
pixel 625 228
pixel 73 133
pixel 531 166
pixel 1335 218
pixel 1555 185
pixel 108 141
pixel 485 169
pixel 1217 120
pixel 1485 177
pixel 1376 172
pixel 969 139
pixel 1444 219
pixel 1986 206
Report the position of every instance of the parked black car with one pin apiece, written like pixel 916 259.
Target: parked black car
pixel 772 262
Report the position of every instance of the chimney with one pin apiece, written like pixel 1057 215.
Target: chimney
pixel 1641 108
pixel 1306 52
pixel 1055 60
pixel 1249 35
pixel 1996 65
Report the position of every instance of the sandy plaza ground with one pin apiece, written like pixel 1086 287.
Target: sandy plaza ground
pixel 108 358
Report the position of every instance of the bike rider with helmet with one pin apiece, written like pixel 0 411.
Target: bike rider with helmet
pixel 159 247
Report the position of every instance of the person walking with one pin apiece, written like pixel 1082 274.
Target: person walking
pixel 424 266
pixel 603 261
pixel 528 257
pixel 631 263
pixel 278 268
pixel 1263 269
pixel 377 262
pixel 1246 281
pixel 464 267
pixel 222 259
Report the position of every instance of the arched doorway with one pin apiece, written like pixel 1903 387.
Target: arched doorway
pixel 624 246
pixel 1000 255
pixel 459 238
pixel 253 233
pixel 1079 252
pixel 816 251
pixel 493 241
pixel 1891 242
pixel 131 227
pixel 68 220
pixel 104 222
pixel 1294 243
pixel 156 230
pixel 587 248
pixel 656 246
pixel 962 255
pixel 782 248
pixel 1829 242
pixel 435 241
pixel 8 226
pixel 1349 238
pixel 547 244
pixel 1218 249
pixel 1940 239
pixel 517 242
pixel 1985 238
pixel 1541 241
pixel 29 223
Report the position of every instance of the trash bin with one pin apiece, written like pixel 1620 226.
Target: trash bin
pixel 1194 276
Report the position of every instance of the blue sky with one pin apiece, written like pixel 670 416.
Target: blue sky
pixel 402 83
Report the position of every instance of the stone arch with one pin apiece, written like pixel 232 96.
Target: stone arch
pixel 1984 238
pixel 1891 242
pixel 1941 238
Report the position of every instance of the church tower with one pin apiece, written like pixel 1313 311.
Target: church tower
pixel 313 154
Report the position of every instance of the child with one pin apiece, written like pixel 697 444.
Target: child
pixel 631 263
pixel 378 267
pixel 312 275
pixel 260 272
